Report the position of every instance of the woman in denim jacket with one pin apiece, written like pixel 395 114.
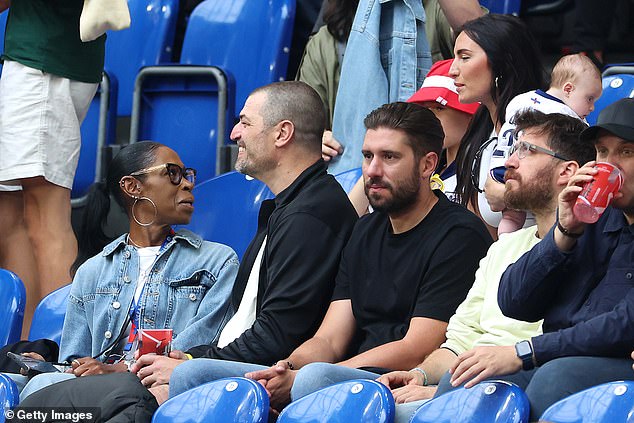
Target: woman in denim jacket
pixel 152 278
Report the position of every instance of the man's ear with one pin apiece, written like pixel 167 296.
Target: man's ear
pixel 130 186
pixel 285 132
pixel 565 171
pixel 428 164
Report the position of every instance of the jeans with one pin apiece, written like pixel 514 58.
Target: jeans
pixel 560 378
pixel 316 376
pixel 198 371
pixel 26 387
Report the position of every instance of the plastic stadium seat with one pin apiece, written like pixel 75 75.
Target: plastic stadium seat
pixel 250 39
pixel 505 7
pixel 229 400
pixel 230 48
pixel 487 402
pixel 226 209
pixel 618 83
pixel 147 42
pixel 9 395
pixel 3 24
pixel 346 402
pixel 48 319
pixel 349 178
pixel 12 302
pixel 607 403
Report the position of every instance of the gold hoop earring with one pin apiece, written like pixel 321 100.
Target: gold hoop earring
pixel 136 200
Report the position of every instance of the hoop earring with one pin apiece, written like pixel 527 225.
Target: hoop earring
pixel 136 199
pixel 496 82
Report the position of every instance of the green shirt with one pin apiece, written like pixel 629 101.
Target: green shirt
pixel 44 35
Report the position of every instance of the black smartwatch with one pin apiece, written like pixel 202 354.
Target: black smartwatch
pixel 524 351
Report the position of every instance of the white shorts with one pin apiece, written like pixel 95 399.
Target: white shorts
pixel 40 116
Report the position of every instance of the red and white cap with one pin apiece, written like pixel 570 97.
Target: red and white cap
pixel 438 86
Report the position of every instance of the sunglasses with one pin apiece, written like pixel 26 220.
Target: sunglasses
pixel 174 171
pixel 522 148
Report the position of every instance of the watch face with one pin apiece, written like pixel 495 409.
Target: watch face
pixel 523 348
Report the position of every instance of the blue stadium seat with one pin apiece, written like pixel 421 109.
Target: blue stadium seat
pixel 607 403
pixel 346 402
pixel 487 402
pixel 230 400
pixel 349 178
pixel 226 209
pixel 48 319
pixel 147 42
pixel 9 395
pixel 618 83
pixel 249 39
pixel 230 48
pixel 505 7
pixel 97 131
pixel 3 24
pixel 12 302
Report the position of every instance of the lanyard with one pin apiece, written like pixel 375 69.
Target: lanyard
pixel 135 307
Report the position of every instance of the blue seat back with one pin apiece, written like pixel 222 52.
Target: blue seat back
pixel 618 83
pixel 229 400
pixel 487 402
pixel 12 302
pixel 505 7
pixel 48 319
pixel 9 395
pixel 147 42
pixel 349 178
pixel 249 39
pixel 347 402
pixel 226 209
pixel 185 108
pixel 606 403
pixel 3 24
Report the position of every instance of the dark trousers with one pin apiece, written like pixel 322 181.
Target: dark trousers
pixel 560 378
pixel 120 397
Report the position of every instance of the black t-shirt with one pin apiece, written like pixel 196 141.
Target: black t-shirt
pixel 424 272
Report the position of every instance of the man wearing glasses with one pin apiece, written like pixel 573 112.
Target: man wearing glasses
pixel 481 342
pixel 579 279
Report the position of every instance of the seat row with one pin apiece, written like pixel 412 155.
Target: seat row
pixel 237 399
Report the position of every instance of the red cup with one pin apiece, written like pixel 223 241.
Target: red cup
pixel 597 194
pixel 154 341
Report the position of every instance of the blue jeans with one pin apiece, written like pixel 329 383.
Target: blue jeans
pixel 198 371
pixel 560 378
pixel 315 376
pixel 26 387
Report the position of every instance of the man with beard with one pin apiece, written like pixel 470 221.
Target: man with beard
pixel 579 279
pixel 480 339
pixel 402 274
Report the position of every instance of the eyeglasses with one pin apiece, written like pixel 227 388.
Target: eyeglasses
pixel 174 171
pixel 522 148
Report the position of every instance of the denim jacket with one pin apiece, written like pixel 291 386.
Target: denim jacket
pixel 188 290
pixel 386 60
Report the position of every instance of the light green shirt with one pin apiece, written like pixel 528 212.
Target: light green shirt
pixel 479 320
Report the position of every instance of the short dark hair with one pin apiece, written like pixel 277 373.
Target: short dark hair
pixel 423 129
pixel 562 133
pixel 299 103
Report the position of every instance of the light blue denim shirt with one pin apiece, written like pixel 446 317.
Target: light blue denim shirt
pixel 188 290
pixel 386 60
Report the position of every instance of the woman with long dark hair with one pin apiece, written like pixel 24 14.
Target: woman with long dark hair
pixel 496 59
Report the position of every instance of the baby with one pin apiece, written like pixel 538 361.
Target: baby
pixel 575 86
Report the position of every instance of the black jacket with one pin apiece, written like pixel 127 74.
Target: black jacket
pixel 306 227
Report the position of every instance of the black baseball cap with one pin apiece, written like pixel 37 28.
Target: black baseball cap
pixel 617 118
